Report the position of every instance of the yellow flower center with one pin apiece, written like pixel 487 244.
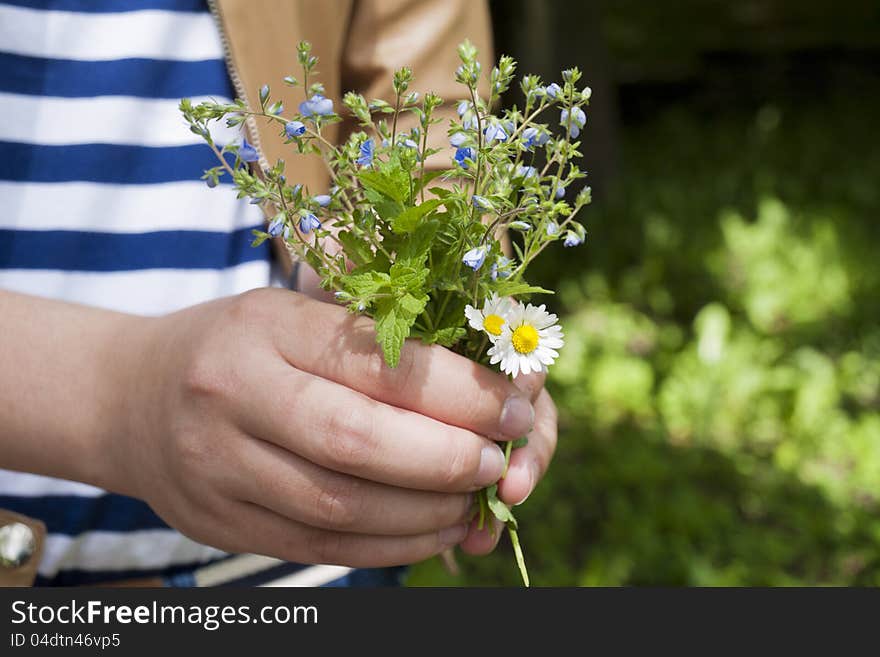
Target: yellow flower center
pixel 525 339
pixel 493 324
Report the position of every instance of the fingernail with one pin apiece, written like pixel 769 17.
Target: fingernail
pixel 491 466
pixel 530 471
pixel 452 535
pixel 517 417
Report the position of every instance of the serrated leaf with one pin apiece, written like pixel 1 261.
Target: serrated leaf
pixel 393 324
pixel 506 288
pixel 357 250
pixel 445 337
pixel 427 178
pixel 414 248
pixel 411 279
pixel 412 305
pixel 408 220
pixel 383 184
pixel 362 284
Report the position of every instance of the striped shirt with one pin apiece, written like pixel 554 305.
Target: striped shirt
pixel 101 204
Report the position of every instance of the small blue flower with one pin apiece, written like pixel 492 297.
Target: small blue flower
pixel 552 228
pixel 523 171
pixel 276 226
pixel 294 129
pixel 322 199
pixel 481 202
pixel 211 181
pixel 578 119
pixel 553 90
pixel 495 131
pixel 247 152
pixel 308 223
pixel 533 137
pixel 520 225
pixel 475 257
pixel 500 268
pixel 409 143
pixel 287 232
pixel 366 156
pixel 572 239
pixel 317 105
pixel 297 188
pixel 264 93
pixel 463 106
pixel 560 192
pixel 458 139
pixel 463 154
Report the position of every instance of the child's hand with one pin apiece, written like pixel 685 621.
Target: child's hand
pixel 269 423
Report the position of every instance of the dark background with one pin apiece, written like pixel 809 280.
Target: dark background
pixel 719 391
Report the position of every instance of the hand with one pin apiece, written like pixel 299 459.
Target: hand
pixel 269 423
pixel 528 464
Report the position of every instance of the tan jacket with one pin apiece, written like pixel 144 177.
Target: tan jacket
pixel 359 44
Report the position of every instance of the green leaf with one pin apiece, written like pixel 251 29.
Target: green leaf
pixel 415 246
pixel 408 220
pixel 506 288
pixel 499 509
pixel 259 237
pixel 357 250
pixel 427 178
pixel 446 337
pixel 363 284
pixel 394 319
pixel 383 184
pixel 411 279
pixel 520 442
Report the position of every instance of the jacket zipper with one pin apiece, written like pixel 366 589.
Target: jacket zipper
pixel 237 84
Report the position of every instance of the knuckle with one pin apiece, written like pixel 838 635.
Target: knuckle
pixel 385 380
pixel 326 547
pixel 251 305
pixel 339 507
pixel 349 438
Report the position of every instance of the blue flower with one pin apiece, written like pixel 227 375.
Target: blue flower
pixel 366 156
pixel 317 105
pixel 475 257
pixel 463 106
pixel 409 143
pixel 495 131
pixel 533 137
pixel 294 129
pixel 572 239
pixel 552 228
pixel 264 93
pixel 276 226
pixel 560 192
pixel 578 119
pixel 500 268
pixel 463 154
pixel 308 223
pixel 247 152
pixel 458 139
pixel 553 90
pixel 481 202
pixel 322 199
pixel 523 171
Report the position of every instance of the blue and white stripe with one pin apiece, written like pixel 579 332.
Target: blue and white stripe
pixel 101 204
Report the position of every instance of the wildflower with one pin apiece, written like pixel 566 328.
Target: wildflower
pixel 409 143
pixel 492 317
pixel 572 239
pixel 552 228
pixel 560 192
pixel 322 199
pixel 578 119
pixel 528 341
pixel 520 225
pixel 533 137
pixel 276 226
pixel 317 105
pixel 264 93
pixel 463 107
pixel 294 129
pixel 553 90
pixel 481 202
pixel 366 157
pixel 493 132
pixel 309 222
pixel 523 171
pixel 247 152
pixel 462 155
pixel 475 257
pixel 500 268
pixel 458 139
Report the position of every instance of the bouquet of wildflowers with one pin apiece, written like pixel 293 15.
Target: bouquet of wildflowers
pixel 421 251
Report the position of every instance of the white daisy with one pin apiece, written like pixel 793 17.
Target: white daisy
pixel 492 317
pixel 528 342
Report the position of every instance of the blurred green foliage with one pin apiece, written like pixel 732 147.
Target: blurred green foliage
pixel 719 391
